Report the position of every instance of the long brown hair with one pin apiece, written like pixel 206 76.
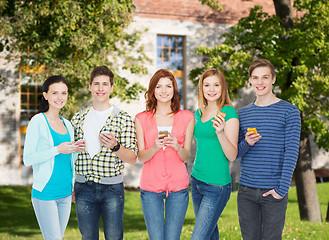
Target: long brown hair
pixel 224 99
pixel 151 102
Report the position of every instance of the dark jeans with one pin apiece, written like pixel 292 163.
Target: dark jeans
pixel 261 218
pixel 209 202
pixel 94 200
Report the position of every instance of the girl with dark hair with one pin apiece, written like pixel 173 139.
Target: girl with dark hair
pixel 50 149
pixel 216 132
pixel 164 137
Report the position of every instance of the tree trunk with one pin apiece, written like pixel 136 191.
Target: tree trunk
pixel 284 12
pixel 308 200
pixel 327 219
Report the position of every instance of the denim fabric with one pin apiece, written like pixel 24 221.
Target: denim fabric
pixel 52 216
pixel 260 217
pixel 94 200
pixel 208 204
pixel 164 215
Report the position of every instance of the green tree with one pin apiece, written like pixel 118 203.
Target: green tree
pixel 71 37
pixel 299 49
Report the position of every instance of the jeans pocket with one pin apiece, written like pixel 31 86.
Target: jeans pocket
pixel 242 188
pixel 116 188
pixel 273 199
pixel 185 190
pixel 78 187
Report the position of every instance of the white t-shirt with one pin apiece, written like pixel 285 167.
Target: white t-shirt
pixel 94 122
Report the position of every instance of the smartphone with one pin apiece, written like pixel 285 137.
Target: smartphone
pixel 254 130
pixel 165 133
pixel 105 132
pixel 80 141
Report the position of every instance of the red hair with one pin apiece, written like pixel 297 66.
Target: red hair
pixel 151 101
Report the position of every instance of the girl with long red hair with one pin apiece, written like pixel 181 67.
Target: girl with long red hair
pixel 164 137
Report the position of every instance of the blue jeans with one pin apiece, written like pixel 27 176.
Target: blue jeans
pixel 260 217
pixel 52 216
pixel 208 204
pixel 164 215
pixel 94 200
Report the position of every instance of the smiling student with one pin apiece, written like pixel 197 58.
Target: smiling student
pixel 268 156
pixel 49 148
pixel 164 138
pixel 216 132
pixel 110 138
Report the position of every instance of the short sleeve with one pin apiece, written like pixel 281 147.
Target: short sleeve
pixel 230 112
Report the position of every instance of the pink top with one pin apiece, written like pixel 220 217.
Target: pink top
pixel 165 171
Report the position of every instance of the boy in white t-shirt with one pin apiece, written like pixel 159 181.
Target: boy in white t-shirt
pixel 110 139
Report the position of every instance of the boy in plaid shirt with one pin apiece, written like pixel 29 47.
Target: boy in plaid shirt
pixel 110 140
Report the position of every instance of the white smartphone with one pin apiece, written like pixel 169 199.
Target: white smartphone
pixel 80 141
pixel 105 132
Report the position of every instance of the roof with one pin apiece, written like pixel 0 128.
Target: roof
pixel 193 10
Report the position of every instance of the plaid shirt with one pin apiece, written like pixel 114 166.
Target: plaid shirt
pixel 105 163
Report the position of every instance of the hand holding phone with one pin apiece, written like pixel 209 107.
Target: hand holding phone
pixel 163 134
pixel 252 136
pixel 254 130
pixel 79 142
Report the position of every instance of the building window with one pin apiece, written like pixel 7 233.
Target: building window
pixel 30 95
pixel 170 55
pixel 30 101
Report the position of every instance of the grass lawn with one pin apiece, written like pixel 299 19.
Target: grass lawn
pixel 17 220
